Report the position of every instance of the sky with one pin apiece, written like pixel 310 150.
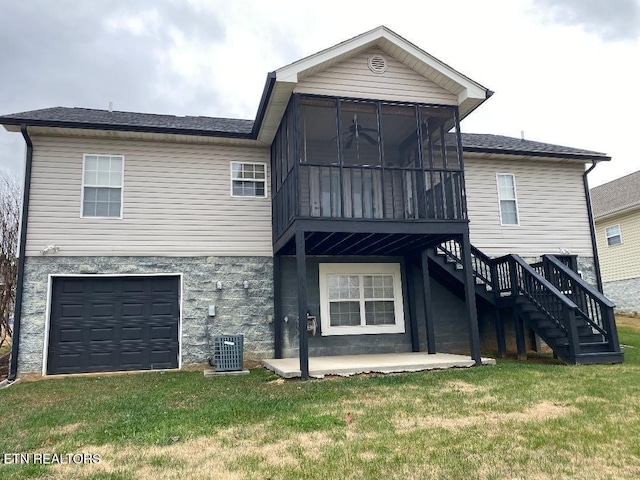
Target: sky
pixel 563 71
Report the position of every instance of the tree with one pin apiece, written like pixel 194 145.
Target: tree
pixel 9 227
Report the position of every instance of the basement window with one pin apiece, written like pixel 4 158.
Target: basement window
pixel 248 179
pixel 357 299
pixel 614 235
pixel 102 186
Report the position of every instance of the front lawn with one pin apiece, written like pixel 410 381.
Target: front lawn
pixel 514 420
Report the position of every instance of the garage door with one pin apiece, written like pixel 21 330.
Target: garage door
pixel 107 324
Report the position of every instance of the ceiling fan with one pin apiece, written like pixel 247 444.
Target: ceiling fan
pixel 355 131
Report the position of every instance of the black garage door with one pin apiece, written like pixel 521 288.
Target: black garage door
pixel 107 324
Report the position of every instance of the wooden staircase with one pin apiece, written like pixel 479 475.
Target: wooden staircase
pixel 572 317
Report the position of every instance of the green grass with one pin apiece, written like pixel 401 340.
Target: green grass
pixel 517 419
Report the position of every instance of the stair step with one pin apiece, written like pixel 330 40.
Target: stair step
pixel 598 357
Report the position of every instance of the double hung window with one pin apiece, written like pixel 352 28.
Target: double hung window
pixel 507 199
pixel 360 299
pixel 102 186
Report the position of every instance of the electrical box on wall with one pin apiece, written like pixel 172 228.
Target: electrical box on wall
pixel 212 310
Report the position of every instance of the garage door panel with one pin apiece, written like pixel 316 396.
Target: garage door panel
pixel 70 335
pixel 112 324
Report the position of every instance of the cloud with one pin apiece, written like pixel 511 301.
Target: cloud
pixel 612 20
pixel 89 53
pixel 81 53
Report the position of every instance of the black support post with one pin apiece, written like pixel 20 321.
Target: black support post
pixel 500 336
pixel 428 308
pixel 277 306
pixel 470 299
pixel 521 346
pixel 301 263
pixel 408 305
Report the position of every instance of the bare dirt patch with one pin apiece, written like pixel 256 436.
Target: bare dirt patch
pixel 215 457
pixel 540 412
pixel 461 386
pixel 626 321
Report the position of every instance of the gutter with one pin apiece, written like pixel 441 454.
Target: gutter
pixel 264 101
pixel 15 339
pixel 592 226
pixel 527 153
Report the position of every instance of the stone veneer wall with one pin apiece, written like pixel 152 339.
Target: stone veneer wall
pixel 238 310
pixel 625 294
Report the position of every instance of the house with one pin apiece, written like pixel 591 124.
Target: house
pixel 616 211
pixel 344 219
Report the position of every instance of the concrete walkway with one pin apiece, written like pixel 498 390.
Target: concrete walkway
pixel 345 365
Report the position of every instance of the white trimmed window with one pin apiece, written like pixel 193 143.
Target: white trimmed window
pixel 102 186
pixel 360 298
pixel 614 235
pixel 248 179
pixel 507 199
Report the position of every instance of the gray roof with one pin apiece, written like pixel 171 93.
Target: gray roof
pixel 497 143
pixel 97 119
pixel 616 195
pixel 79 116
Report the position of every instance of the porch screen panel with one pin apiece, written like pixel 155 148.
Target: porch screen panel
pixel 359 137
pixel 318 131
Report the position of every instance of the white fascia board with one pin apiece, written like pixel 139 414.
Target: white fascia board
pixel 475 89
pixel 616 213
pixel 379 36
pixel 290 72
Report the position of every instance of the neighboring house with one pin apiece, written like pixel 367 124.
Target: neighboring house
pixel 616 211
pixel 347 198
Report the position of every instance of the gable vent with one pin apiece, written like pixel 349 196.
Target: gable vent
pixel 377 64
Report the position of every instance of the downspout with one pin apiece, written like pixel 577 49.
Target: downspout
pixel 592 227
pixel 13 367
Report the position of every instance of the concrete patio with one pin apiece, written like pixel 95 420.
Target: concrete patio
pixel 345 365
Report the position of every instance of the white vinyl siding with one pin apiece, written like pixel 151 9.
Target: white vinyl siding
pixel 357 299
pixel 551 206
pixel 507 199
pixel 614 235
pixel 620 262
pixel 353 78
pixel 102 181
pixel 176 201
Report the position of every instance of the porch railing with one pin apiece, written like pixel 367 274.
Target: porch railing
pixel 369 192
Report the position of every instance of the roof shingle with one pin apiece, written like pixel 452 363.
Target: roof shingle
pixel 78 117
pixel 616 195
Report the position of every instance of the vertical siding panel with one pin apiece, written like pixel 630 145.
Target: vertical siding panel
pixel 177 201
pixel 551 203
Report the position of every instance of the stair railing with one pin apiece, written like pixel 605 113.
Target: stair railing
pixel 556 290
pixel 592 306
pixel 481 263
pixel 551 301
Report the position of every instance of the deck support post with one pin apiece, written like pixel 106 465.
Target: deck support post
pixel 303 336
pixel 520 341
pixel 428 307
pixel 470 298
pixel 500 336
pixel 277 306
pixel 409 306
